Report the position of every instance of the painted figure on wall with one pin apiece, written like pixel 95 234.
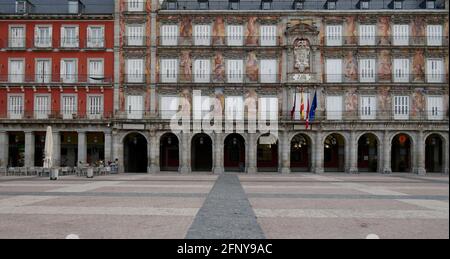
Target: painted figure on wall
pixel 185 102
pixel 384 65
pixel 418 103
pixel 218 31
pixel 251 33
pixel 251 101
pixel 384 99
pixel 218 101
pixel 251 67
pixel 418 28
pixel 419 66
pixel 302 55
pixel 219 68
pixel 351 67
pixel 186 66
pixel 384 31
pixel 350 31
pixel 351 100
pixel 186 29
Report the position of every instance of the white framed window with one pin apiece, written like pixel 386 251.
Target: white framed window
pixel 435 70
pixel 21 7
pixel 69 37
pixel 202 35
pixel 201 105
pixel 334 107
pixel 16 70
pixel 169 35
pixel 69 71
pixel 135 35
pixel 96 71
pixel 235 70
pixel 95 107
pixel 73 6
pixel 135 107
pixel 401 107
pixel 334 70
pixel 169 70
pixel 95 37
pixel 202 70
pixel 135 70
pixel 400 34
pixel 368 107
pixel 15 106
pixel 234 108
pixel 69 106
pixel 43 70
pixel 298 105
pixel 334 35
pixel 135 5
pixel 268 35
pixel 168 106
pixel 235 35
pixel 17 36
pixel 41 107
pixel 434 35
pixel 268 108
pixel 43 36
pixel 367 35
pixel 435 107
pixel 367 70
pixel 268 70
pixel 401 70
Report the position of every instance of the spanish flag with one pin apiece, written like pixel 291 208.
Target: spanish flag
pixel 302 107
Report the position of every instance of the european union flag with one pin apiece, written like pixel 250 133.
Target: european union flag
pixel 312 111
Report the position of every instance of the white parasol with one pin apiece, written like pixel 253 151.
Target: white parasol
pixel 48 163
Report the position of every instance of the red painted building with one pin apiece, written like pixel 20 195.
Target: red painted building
pixel 57 69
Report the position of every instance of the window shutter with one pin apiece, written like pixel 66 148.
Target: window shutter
pixel 367 70
pixel 401 107
pixel 334 107
pixel 268 70
pixel 334 70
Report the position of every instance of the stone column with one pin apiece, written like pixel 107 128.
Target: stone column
pixel 82 147
pixel 218 154
pixel 108 150
pixel 319 153
pixel 353 150
pixel 29 149
pixel 420 154
pixel 252 163
pixel 154 153
pixel 56 148
pixel 4 147
pixel 117 151
pixel 445 152
pixel 387 154
pixel 185 147
pixel 285 149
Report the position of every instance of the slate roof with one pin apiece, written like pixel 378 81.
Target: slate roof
pixel 59 6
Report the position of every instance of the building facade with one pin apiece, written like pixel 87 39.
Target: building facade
pixel 378 71
pixel 56 69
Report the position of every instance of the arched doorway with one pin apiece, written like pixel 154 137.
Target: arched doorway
pixel 267 153
pixel 234 153
pixel 334 153
pixel 434 154
pixel 201 153
pixel 95 142
pixel 300 153
pixel 368 153
pixel 16 149
pixel 169 152
pixel 135 153
pixel 401 153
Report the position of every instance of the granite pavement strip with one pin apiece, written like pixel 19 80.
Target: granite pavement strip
pixel 226 213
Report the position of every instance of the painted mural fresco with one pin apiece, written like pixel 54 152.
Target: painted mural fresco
pixel 418 27
pixel 418 103
pixel 218 32
pixel 186 30
pixel 350 67
pixel 384 99
pixel 251 67
pixel 384 30
pixel 251 33
pixel 350 31
pixel 384 65
pixel 418 66
pixel 218 101
pixel 219 68
pixel 351 100
pixel 302 55
pixel 186 66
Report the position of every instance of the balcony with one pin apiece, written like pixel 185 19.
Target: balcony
pixel 47 79
pixel 223 78
pixel 135 41
pixel 222 41
pixel 386 78
pixel 390 41
pixel 55 115
pixel 135 78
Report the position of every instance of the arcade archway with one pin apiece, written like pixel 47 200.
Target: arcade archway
pixel 368 153
pixel 201 153
pixel 135 153
pixel 300 153
pixel 334 153
pixel 169 152
pixel 401 154
pixel 234 153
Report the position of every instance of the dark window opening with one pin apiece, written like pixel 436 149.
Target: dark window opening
pixel 398 4
pixel 331 5
pixel 266 5
pixel 234 5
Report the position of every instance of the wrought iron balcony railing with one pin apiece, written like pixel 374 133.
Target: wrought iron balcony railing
pixel 46 79
pixel 43 114
pixel 228 41
pixel 383 41
pixel 50 43
pixel 222 78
